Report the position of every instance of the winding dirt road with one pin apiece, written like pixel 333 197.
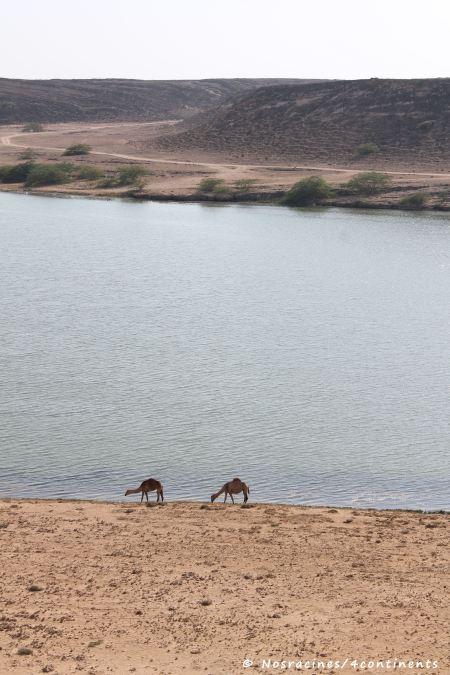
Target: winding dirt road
pixel 6 139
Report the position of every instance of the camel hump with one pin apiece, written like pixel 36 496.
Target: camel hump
pixel 236 479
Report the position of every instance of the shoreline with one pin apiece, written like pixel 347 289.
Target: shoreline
pixel 198 588
pixel 250 504
pixel 254 199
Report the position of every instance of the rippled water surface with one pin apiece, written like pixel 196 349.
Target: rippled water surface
pixel 307 352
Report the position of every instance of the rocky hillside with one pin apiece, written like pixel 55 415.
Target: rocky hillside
pixel 111 100
pixel 361 121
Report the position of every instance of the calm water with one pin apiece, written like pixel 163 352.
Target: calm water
pixel 307 352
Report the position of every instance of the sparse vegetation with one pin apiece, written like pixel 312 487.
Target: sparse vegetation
pixel 88 172
pixel 425 126
pixel 211 185
pixel 47 174
pixel 244 184
pixel 131 175
pixel 443 196
pixel 77 149
pixel 108 182
pixel 15 173
pixel 24 651
pixel 415 202
pixel 308 192
pixel 368 183
pixel 366 149
pixel 33 126
pixel 29 153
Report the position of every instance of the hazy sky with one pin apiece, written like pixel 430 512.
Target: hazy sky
pixel 173 39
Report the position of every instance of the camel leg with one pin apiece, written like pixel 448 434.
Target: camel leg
pixel 226 495
pixel 245 496
pixel 142 496
pixel 231 497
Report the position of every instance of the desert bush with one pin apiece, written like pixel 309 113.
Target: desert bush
pixel 443 196
pixel 244 184
pixel 308 192
pixel 47 174
pixel 77 149
pixel 211 185
pixel 415 201
pixel 131 175
pixel 28 153
pixel 15 173
pixel 368 183
pixel 425 126
pixel 108 182
pixel 366 149
pixel 33 126
pixel 88 172
pixel 221 189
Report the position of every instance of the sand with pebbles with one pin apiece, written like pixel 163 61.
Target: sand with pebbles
pixel 193 588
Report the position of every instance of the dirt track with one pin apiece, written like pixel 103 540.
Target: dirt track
pixel 6 140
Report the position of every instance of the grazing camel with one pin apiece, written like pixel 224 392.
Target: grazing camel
pixel 147 486
pixel 233 488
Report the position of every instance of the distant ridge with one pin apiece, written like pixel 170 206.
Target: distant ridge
pixel 116 99
pixel 408 120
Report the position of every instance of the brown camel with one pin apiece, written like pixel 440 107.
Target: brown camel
pixel 233 488
pixel 149 485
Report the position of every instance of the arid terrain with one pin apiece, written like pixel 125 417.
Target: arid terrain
pixel 407 122
pixel 189 588
pixel 258 137
pixel 176 174
pixel 114 99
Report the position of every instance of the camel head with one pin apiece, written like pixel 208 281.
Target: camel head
pixel 213 497
pixel 127 493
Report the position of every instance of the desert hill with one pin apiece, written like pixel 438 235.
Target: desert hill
pixel 111 100
pixel 407 120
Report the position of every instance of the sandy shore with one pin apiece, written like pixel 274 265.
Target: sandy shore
pixel 191 588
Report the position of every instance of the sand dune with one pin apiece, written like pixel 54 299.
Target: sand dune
pixel 191 588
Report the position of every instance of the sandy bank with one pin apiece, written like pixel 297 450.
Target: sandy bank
pixel 190 588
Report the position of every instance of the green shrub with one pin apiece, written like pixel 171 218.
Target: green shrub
pixel 415 201
pixel 211 185
pixel 308 192
pixel 77 149
pixel 131 175
pixel 244 184
pixel 221 189
pixel 47 174
pixel 425 126
pixel 366 149
pixel 88 172
pixel 28 153
pixel 17 173
pixel 108 182
pixel 368 183
pixel 33 126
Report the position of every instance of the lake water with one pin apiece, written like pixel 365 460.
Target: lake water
pixel 307 352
